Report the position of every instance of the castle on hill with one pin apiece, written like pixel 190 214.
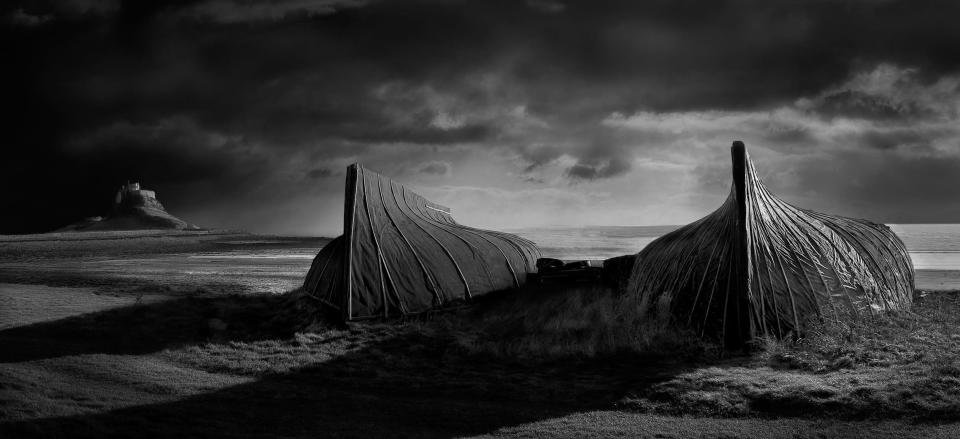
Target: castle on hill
pixel 131 195
pixel 132 189
pixel 134 208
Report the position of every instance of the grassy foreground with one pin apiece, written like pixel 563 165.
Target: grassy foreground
pixel 539 363
pixel 904 365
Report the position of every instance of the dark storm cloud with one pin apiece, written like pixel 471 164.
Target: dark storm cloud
pixel 547 6
pixel 538 155
pixel 858 104
pixel 435 168
pixel 900 138
pixel 603 159
pixel 319 173
pixel 852 162
pixel 257 88
pixel 20 18
pixel 240 11
pixel 594 169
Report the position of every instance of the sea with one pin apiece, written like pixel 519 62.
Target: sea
pixel 934 248
pixel 267 265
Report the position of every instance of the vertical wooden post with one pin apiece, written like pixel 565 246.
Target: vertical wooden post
pixel 740 323
pixel 349 207
pixel 738 152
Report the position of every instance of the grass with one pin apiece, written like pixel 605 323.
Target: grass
pixel 578 346
pixel 543 362
pixel 586 321
pixel 904 365
pixel 619 424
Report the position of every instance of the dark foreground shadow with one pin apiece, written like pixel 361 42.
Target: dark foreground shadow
pixel 417 383
pixel 145 328
pixel 384 390
pixel 308 403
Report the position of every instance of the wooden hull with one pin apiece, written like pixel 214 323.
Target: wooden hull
pixel 759 266
pixel 401 254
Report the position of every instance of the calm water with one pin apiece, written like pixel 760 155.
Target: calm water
pixel 932 246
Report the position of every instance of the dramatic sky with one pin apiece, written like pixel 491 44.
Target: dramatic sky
pixel 244 114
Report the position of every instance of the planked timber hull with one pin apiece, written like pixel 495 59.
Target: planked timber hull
pixel 758 266
pixel 401 254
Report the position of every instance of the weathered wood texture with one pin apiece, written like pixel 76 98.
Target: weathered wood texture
pixel 401 254
pixel 759 266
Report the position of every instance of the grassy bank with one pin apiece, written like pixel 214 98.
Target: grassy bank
pixel 904 365
pixel 510 364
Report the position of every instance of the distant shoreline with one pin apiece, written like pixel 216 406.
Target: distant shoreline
pixel 133 234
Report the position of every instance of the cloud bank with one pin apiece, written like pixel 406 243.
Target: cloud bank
pixel 244 114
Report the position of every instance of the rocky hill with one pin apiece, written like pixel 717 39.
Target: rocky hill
pixel 133 209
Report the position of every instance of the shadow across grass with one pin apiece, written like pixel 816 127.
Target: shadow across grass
pixel 344 397
pixel 146 328
pixel 511 359
pixel 443 375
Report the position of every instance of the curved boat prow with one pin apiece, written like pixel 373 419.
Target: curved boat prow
pixel 759 266
pixel 401 254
